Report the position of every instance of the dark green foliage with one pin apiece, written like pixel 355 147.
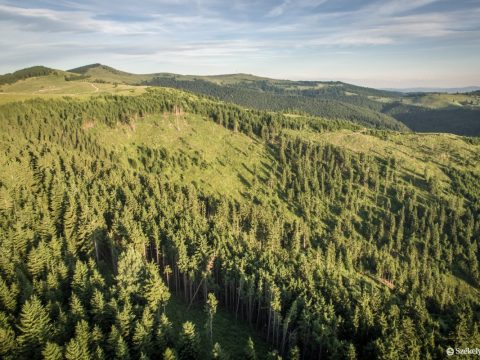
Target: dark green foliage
pixel 188 343
pixel 52 351
pixel 25 74
pixel 76 77
pixel 328 252
pixel 462 121
pixel 35 328
pixel 325 106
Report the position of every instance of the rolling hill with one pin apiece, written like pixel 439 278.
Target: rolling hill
pixel 134 222
pixel 454 113
pixel 381 109
pixel 30 72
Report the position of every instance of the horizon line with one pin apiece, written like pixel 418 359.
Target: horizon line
pixel 338 80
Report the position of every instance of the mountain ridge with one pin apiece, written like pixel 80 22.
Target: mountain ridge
pixel 377 108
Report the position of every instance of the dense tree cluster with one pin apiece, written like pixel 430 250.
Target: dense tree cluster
pixel 281 100
pixel 335 100
pixel 25 74
pixel 76 77
pixel 456 120
pixel 332 254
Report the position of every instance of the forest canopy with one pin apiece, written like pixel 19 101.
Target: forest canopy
pixel 331 248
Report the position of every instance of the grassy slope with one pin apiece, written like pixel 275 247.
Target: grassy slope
pixel 439 101
pixel 416 154
pixel 225 160
pixel 107 74
pixel 55 85
pixel 222 162
pixel 364 103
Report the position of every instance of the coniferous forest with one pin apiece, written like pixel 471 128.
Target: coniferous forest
pixel 324 239
pixel 239 180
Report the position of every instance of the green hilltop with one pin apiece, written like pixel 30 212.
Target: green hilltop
pixel 30 72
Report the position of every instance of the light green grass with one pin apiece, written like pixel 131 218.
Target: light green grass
pixel 438 101
pixel 55 86
pixel 416 154
pixel 225 160
pixel 120 77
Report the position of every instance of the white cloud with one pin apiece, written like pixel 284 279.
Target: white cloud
pixel 47 20
pixel 279 9
pixel 241 34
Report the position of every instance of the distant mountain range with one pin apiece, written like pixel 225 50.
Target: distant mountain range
pixel 466 89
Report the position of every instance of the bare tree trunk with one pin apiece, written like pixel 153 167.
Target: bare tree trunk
pixel 185 293
pixel 258 311
pixel 269 321
pixel 238 304
pixel 96 249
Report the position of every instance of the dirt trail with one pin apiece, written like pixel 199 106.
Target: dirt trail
pixel 95 87
pixel 52 88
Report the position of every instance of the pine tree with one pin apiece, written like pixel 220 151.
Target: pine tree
pixel 250 353
pixel 211 309
pixel 169 354
pixel 8 295
pixel 118 348
pixel 52 351
pixel 77 310
pixel 143 333
pixel 131 274
pixel 79 346
pixel 156 292
pixel 164 336
pixel 125 319
pixel 273 355
pixel 99 307
pixel 189 342
pixel 7 339
pixel 218 352
pixel 35 328
pixel 351 353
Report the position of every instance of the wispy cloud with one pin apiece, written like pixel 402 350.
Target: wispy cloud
pixel 279 9
pixel 193 35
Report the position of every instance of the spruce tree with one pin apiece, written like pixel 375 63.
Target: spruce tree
pixel 169 354
pixel 118 347
pixel 210 309
pixel 79 346
pixel 189 342
pixel 52 351
pixel 35 328
pixel 250 353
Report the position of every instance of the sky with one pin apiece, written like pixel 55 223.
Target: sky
pixel 379 43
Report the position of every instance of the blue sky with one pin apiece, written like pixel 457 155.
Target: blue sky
pixel 382 43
